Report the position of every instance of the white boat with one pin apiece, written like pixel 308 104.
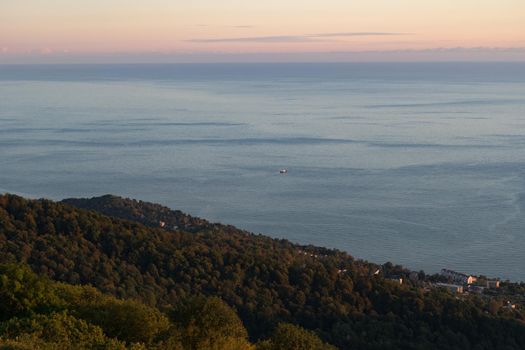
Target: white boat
pixel 283 171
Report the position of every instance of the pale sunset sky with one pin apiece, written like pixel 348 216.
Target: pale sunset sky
pixel 269 30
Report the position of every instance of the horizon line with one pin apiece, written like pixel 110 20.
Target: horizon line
pixel 260 62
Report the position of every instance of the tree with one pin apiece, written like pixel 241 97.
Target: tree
pixel 22 292
pixel 54 331
pixel 208 323
pixel 127 320
pixel 290 337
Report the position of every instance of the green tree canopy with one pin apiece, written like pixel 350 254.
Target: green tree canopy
pixel 22 292
pixel 208 323
pixel 54 331
pixel 290 337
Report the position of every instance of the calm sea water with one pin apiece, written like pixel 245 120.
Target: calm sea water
pixel 419 164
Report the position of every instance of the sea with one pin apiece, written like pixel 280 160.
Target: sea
pixel 419 164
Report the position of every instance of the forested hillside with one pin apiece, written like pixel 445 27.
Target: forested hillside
pixel 37 313
pixel 150 214
pixel 265 281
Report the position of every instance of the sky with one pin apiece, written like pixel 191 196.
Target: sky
pixel 36 31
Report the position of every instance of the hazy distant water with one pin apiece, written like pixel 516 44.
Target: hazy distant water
pixel 419 164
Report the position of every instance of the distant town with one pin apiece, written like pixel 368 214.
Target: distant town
pixel 509 295
pixel 505 295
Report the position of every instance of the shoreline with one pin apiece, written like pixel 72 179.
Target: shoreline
pixel 295 242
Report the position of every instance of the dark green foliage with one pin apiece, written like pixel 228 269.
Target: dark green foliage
pixel 91 320
pixel 207 323
pixel 290 337
pixel 23 293
pixel 148 213
pixel 127 320
pixel 38 313
pixel 55 331
pixel 267 281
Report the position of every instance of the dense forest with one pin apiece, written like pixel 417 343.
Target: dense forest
pixel 176 267
pixel 37 313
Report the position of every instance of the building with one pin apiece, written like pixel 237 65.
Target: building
pixel 492 284
pixel 510 305
pixel 458 277
pixel 396 279
pixel 454 288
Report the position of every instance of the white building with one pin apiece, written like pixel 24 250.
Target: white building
pixel 491 284
pixel 396 279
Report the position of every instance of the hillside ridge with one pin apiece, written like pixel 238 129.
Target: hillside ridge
pixel 266 281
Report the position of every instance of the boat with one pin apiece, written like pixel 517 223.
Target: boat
pixel 283 171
